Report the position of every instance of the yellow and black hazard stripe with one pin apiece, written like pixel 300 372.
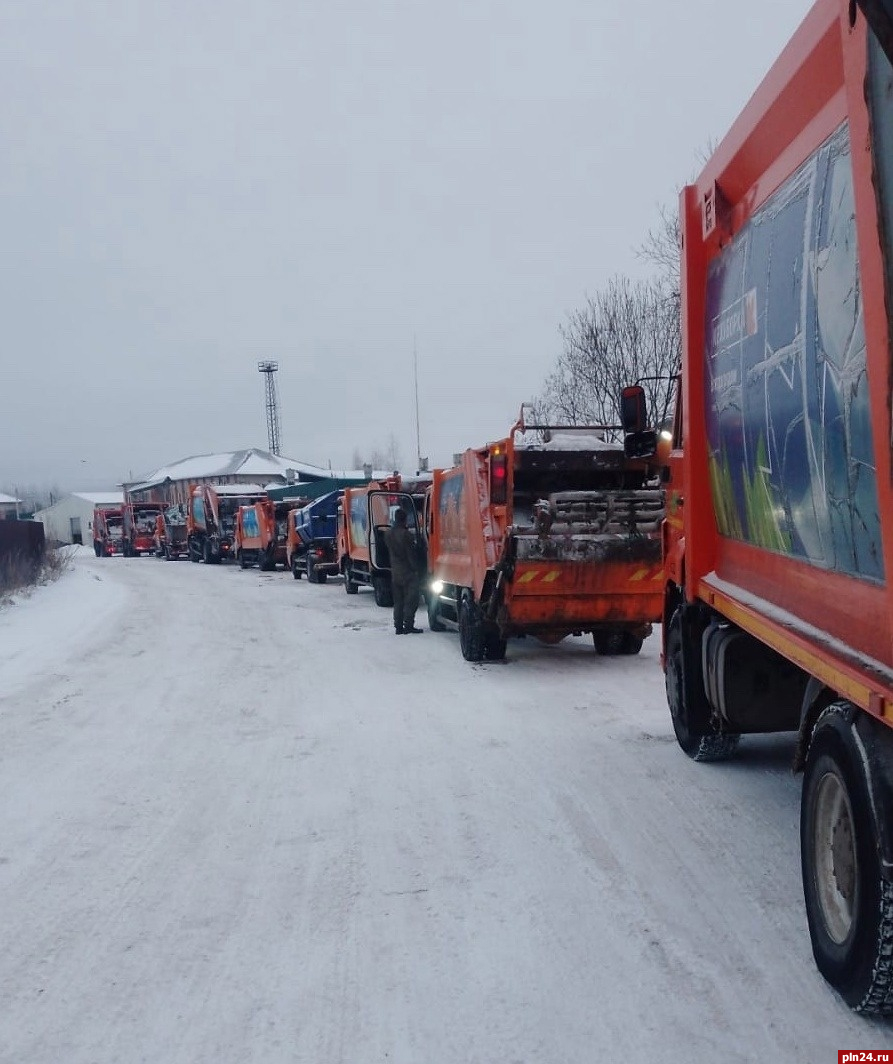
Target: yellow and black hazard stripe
pixel 645 574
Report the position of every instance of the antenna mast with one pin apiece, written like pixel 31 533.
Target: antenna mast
pixel 418 438
pixel 270 369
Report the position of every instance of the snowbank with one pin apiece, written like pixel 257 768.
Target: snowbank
pixel 55 622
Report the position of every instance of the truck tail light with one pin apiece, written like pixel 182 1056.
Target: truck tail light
pixel 499 475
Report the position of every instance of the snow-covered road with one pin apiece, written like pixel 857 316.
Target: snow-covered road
pixel 242 822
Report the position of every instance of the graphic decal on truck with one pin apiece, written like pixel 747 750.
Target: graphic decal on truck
pixel 789 441
pixel 250 526
pixel 451 512
pixel 359 519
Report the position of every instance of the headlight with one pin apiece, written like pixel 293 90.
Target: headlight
pixel 437 586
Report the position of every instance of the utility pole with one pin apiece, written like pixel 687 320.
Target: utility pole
pixel 270 369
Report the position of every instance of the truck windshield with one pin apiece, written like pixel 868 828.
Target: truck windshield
pixel 384 506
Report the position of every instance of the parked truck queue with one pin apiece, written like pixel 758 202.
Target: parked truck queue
pixel 757 531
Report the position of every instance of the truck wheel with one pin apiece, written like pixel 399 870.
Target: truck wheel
pixel 494 645
pixel 206 552
pixel 295 571
pixel 699 739
pixel 321 577
pixel 349 586
pixel 631 644
pixel 471 630
pixel 312 574
pixel 384 595
pixel 434 621
pixel 608 641
pixel 849 905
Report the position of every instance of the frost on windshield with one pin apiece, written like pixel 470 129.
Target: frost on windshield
pixel 790 450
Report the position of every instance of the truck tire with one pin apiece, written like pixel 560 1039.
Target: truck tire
pixel 434 621
pixel 698 738
pixel 206 552
pixel 349 586
pixel 631 644
pixel 849 905
pixel 494 645
pixel 381 588
pixel 471 630
pixel 312 574
pixel 608 641
pixel 266 561
pixel 295 571
pixel 321 577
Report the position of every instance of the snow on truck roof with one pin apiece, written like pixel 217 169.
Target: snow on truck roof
pixel 569 439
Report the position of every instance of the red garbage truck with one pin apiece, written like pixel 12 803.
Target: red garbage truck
pixel 778 539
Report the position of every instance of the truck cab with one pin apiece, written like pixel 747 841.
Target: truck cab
pixel 366 515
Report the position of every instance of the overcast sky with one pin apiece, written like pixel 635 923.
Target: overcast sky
pixel 190 186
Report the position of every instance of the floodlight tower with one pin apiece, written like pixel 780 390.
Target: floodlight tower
pixel 270 369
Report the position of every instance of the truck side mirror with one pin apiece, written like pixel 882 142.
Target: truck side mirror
pixel 638 440
pixel 633 410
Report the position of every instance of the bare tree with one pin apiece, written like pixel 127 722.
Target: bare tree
pixel 382 457
pixel 626 333
pixel 662 248
pixel 32 496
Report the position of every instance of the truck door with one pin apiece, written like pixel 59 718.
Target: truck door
pixel 382 507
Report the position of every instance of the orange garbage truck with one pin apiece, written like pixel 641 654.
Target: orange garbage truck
pixel 260 533
pixel 138 527
pixel 365 515
pixel 778 539
pixel 550 532
pixel 211 519
pixel 108 531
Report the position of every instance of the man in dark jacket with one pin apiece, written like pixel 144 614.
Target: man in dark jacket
pixel 405 574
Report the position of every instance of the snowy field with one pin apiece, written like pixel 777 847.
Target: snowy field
pixel 242 822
